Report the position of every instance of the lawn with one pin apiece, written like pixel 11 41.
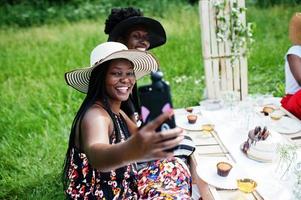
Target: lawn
pixel 37 107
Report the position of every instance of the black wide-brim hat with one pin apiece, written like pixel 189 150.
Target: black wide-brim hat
pixel 156 32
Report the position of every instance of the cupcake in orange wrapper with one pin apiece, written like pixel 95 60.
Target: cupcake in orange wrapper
pixel 192 118
pixel 223 168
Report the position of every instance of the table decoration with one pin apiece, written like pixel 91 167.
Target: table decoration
pixel 287 155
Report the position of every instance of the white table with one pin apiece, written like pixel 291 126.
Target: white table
pixel 232 135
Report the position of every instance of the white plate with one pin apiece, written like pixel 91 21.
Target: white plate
pixel 208 172
pixel 285 125
pixel 182 121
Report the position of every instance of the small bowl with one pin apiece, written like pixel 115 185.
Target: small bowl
pixel 192 118
pixel 189 109
pixel 275 116
pixel 223 168
pixel 246 185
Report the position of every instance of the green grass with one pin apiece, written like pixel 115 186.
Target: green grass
pixel 37 107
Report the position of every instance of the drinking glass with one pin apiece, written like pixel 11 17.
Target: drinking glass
pixel 247 112
pixel 245 186
pixel 230 100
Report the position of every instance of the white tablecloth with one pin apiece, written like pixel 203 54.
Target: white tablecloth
pixel 233 133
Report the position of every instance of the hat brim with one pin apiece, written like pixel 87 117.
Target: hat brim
pixel 144 63
pixel 156 32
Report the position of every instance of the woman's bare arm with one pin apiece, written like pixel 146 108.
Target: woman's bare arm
pixel 145 145
pixel 295 66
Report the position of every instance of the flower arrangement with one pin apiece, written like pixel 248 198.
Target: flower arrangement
pixel 232 28
pixel 287 155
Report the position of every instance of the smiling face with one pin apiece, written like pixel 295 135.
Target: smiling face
pixel 120 80
pixel 137 38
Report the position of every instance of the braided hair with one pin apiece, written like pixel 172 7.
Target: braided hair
pixel 119 14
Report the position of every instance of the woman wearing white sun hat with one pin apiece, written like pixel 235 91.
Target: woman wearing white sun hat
pixel 292 100
pixel 101 156
pixel 128 26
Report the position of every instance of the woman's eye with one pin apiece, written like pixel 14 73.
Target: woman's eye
pixel 117 74
pixel 131 74
pixel 136 36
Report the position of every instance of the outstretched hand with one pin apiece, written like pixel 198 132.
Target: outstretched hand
pixel 148 144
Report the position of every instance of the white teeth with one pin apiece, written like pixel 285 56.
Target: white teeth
pixel 122 89
pixel 141 49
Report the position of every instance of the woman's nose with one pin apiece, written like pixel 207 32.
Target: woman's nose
pixel 126 79
pixel 145 42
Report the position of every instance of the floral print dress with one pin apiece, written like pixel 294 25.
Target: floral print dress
pixel 161 179
pixel 85 182
pixel 165 179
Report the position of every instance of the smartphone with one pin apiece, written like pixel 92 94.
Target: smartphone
pixel 155 99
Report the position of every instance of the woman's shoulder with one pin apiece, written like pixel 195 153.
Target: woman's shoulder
pixel 296 50
pixel 96 113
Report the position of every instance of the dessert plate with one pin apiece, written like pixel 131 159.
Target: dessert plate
pixel 285 125
pixel 181 121
pixel 208 172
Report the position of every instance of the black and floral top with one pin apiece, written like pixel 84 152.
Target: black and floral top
pixel 85 182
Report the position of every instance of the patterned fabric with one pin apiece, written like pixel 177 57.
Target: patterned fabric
pixel 165 179
pixel 86 182
pixel 185 148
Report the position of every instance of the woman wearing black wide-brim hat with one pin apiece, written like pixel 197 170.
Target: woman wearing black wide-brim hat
pixel 292 100
pixel 130 27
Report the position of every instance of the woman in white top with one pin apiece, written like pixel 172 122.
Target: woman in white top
pixel 292 100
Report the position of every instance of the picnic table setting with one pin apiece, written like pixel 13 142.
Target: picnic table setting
pixel 245 149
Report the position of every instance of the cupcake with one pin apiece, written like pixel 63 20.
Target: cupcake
pixel 267 110
pixel 189 109
pixel 192 118
pixel 223 168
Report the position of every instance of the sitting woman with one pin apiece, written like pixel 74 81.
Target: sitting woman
pixel 104 144
pixel 292 100
pixel 167 178
pixel 129 27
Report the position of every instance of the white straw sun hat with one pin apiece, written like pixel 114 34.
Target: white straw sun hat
pixel 144 63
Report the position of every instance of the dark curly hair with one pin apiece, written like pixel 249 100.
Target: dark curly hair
pixel 119 14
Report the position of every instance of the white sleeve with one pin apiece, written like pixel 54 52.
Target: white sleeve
pixel 295 50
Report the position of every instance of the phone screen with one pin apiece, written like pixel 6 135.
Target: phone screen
pixel 154 101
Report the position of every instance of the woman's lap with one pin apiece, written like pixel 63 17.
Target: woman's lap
pixel 165 179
